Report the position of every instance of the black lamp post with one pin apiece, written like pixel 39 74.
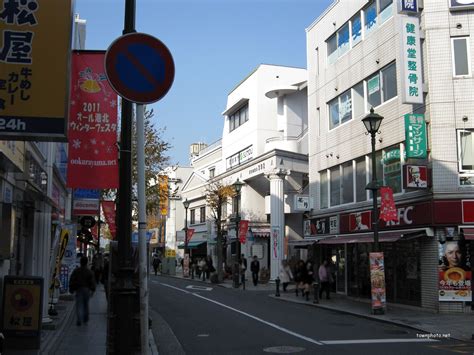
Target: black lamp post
pixel 237 188
pixel 186 206
pixel 372 123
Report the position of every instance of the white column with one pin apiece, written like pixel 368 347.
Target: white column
pixel 277 219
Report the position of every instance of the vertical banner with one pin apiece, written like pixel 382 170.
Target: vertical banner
pixel 410 63
pixel 35 42
pixel 108 207
pixel 454 272
pixel 388 212
pixel 415 136
pixel 189 234
pixel 377 281
pixel 163 193
pixel 93 153
pixel 275 240
pixel 243 229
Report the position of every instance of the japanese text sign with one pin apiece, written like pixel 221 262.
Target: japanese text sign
pixel 93 152
pixel 408 6
pixel 415 136
pixel 163 191
pixel 35 41
pixel 410 63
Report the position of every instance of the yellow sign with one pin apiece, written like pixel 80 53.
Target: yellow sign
pixel 15 152
pixel 35 46
pixel 170 253
pixel 163 186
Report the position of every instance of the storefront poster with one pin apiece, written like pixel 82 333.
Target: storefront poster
pixel 186 265
pixel 377 280
pixel 454 270
pixel 108 207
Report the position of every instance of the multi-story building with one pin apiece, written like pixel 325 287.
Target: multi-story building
pixel 414 69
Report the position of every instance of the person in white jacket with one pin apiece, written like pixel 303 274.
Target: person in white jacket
pixel 285 274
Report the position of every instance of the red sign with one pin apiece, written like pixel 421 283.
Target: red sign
pixel 416 177
pixel 243 228
pixel 467 211
pixel 92 130
pixel 109 212
pixel 360 221
pixel 388 212
pixel 189 235
pixel 139 67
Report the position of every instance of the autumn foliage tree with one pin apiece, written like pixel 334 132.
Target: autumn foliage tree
pixel 217 195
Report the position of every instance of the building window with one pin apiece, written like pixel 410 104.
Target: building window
pixel 193 217
pixel 392 168
pixel 361 180
pixel 332 48
pixel 466 151
pixel 461 57
pixel 323 178
pixel 356 26
pixel 382 86
pixel 385 10
pixel 347 182
pixel 340 109
pixel 239 117
pixel 370 18
pixel 358 102
pixel 212 172
pixel 335 184
pixel 202 214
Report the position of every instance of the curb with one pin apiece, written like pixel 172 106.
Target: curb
pixel 152 344
pixel 366 316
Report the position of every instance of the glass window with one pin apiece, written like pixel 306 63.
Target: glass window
pixel 347 182
pixel 345 106
pixel 370 17
pixel 334 113
pixel 358 103
pixel 238 118
pixel 373 91
pixel 386 10
pixel 212 172
pixel 392 172
pixel 332 48
pixel 356 29
pixel 343 39
pixel 389 82
pixel 323 176
pixel 378 167
pixel 461 59
pixel 335 186
pixel 202 214
pixel 465 150
pixel 193 217
pixel 361 180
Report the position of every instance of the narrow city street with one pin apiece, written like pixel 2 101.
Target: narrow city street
pixel 190 317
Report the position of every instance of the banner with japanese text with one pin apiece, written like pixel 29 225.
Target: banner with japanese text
pixel 243 229
pixel 415 136
pixel 163 193
pixel 388 212
pixel 108 207
pixel 35 42
pixel 93 153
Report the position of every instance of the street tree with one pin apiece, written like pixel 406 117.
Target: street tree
pixel 217 195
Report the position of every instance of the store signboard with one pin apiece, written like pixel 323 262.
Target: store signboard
pixel 454 271
pixel 459 5
pixel 410 63
pixel 407 7
pixel 415 136
pixel 240 158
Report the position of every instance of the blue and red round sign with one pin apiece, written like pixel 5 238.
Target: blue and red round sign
pixel 139 68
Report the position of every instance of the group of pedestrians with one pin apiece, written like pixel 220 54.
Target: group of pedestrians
pixel 202 267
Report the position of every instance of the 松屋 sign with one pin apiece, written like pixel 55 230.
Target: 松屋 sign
pixel 410 64
pixel 35 44
pixel 415 136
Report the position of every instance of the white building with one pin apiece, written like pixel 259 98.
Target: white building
pixel 413 69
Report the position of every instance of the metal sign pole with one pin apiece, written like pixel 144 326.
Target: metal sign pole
pixel 142 228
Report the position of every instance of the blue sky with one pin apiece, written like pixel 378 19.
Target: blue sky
pixel 215 44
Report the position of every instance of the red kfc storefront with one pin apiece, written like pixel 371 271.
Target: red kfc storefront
pixel 414 247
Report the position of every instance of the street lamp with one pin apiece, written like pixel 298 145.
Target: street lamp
pixel 372 123
pixel 186 206
pixel 237 188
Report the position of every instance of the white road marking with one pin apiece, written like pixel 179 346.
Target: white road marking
pixel 310 340
pixel 203 335
pixel 261 320
pixel 375 341
pixel 199 288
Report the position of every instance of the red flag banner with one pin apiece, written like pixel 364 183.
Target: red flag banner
pixel 92 130
pixel 190 234
pixel 388 212
pixel 243 229
pixel 109 212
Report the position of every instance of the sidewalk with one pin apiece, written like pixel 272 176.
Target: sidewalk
pixel 458 326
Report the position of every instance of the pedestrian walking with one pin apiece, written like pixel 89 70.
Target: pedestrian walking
pixel 203 267
pixel 324 278
pixel 285 274
pixel 156 263
pixel 83 285
pixel 255 269
pixel 242 270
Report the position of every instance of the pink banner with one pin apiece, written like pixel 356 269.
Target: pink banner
pixel 109 212
pixel 92 131
pixel 243 228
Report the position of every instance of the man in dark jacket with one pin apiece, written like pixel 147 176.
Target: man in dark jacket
pixel 255 268
pixel 82 283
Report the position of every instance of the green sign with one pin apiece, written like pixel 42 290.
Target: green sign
pixel 415 136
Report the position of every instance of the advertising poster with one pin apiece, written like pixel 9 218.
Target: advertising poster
pixel 93 152
pixel 186 265
pixel 454 271
pixel 243 228
pixel 377 280
pixel 108 207
pixel 359 221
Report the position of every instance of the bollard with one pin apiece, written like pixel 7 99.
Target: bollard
pixel 316 292
pixel 277 282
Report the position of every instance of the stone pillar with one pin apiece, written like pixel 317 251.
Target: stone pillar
pixel 277 219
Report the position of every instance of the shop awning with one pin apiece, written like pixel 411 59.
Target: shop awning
pixel 307 241
pixel 384 236
pixel 192 244
pixel 468 233
pixel 260 232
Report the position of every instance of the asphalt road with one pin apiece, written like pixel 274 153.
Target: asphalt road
pixel 195 318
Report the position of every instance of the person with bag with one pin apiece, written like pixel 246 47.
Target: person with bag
pixel 285 274
pixel 82 283
pixel 324 278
